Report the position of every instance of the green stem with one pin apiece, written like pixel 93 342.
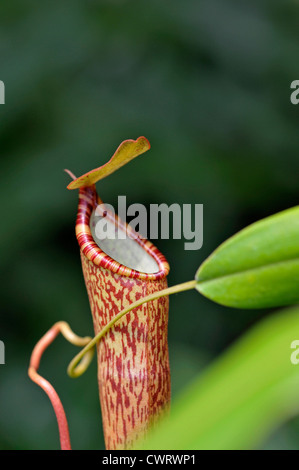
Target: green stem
pixel 72 368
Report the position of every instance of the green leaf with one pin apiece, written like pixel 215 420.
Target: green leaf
pixel 256 268
pixel 246 394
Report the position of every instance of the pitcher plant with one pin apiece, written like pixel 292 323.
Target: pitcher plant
pixel 133 362
pixel 126 281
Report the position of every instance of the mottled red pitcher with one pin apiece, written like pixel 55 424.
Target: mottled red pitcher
pixel 133 362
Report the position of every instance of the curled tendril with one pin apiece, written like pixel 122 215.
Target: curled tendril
pixel 63 328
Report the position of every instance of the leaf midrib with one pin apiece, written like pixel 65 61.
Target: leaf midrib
pixel 244 271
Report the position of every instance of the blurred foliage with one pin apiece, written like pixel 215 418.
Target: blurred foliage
pixel 207 82
pixel 246 393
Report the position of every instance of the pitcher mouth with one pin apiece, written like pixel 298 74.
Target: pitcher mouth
pixel 136 253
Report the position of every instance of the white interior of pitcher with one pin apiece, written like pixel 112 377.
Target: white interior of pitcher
pixel 116 243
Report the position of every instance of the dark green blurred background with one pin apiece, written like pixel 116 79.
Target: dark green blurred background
pixel 208 83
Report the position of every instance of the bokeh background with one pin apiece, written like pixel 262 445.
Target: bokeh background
pixel 208 83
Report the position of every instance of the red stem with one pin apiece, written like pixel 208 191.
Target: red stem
pixel 36 356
